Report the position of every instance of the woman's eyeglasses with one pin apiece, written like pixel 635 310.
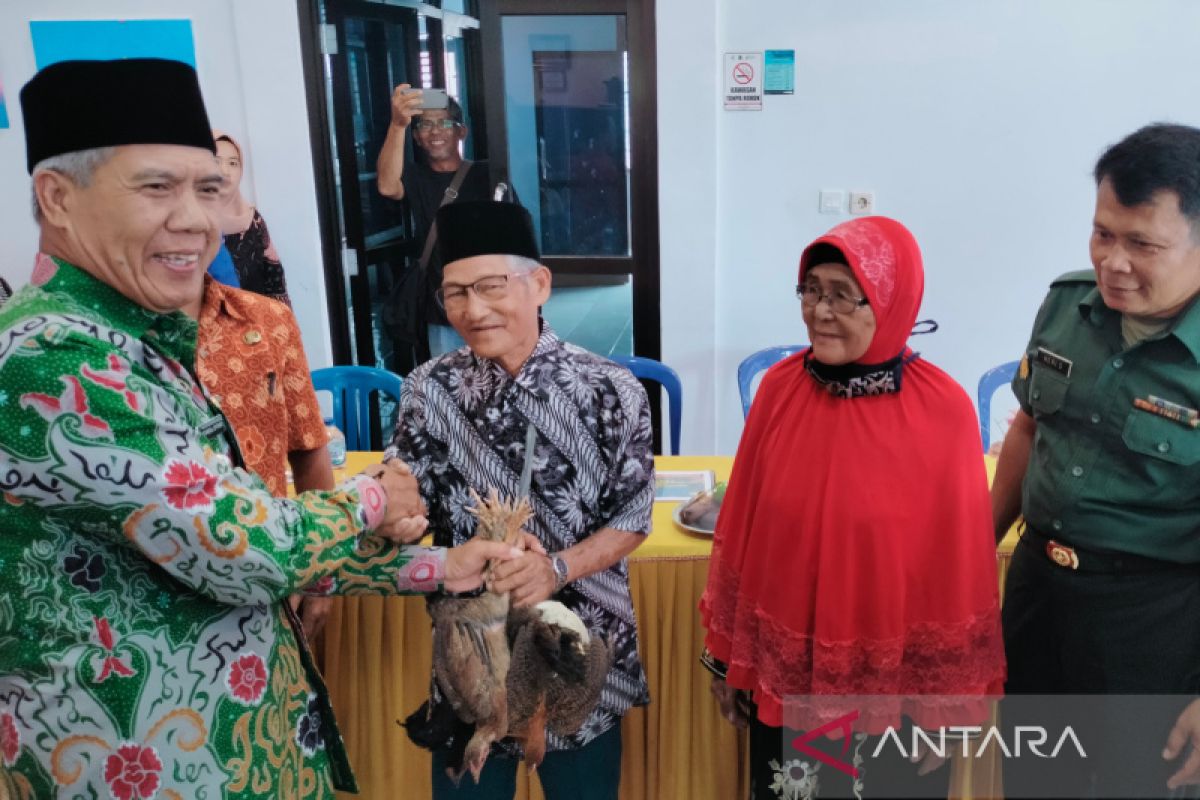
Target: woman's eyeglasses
pixel 426 125
pixel 810 295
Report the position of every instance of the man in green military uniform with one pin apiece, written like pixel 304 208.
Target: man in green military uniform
pixel 1103 461
pixel 145 650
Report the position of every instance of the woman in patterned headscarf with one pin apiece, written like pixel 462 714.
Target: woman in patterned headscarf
pixel 244 229
pixel 854 556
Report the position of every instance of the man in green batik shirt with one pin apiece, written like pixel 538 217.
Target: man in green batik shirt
pixel 1103 461
pixel 145 650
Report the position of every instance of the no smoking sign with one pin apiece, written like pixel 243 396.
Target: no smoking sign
pixel 742 82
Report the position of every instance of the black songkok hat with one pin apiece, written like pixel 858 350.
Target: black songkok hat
pixel 79 105
pixel 484 229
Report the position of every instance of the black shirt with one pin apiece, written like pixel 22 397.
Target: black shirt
pixel 425 189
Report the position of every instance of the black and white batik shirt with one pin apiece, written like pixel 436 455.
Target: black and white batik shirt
pixel 462 426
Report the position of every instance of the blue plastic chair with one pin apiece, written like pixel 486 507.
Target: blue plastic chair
pixel 992 380
pixel 757 362
pixel 653 370
pixel 351 388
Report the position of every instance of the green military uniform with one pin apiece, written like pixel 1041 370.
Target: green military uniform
pixel 1104 589
pixel 1105 474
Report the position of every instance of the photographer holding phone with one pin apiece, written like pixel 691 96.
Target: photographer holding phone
pixel 438 175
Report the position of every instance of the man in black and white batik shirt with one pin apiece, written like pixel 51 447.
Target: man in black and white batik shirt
pixel 463 424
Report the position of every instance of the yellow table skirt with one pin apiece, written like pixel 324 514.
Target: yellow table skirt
pixel 376 659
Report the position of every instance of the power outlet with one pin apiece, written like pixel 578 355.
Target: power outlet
pixel 862 202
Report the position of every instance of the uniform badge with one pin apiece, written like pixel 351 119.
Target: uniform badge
pixel 1182 411
pixel 1054 361
pixel 1023 371
pixel 1187 417
pixel 1062 555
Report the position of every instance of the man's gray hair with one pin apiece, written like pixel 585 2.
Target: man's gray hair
pixel 79 166
pixel 521 264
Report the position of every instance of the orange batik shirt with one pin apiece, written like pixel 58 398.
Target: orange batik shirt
pixel 251 359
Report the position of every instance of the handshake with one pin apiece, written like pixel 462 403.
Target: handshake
pixel 405 522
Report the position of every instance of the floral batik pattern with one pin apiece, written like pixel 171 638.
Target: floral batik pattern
pixel 876 256
pixel 856 380
pixel 795 779
pixel 463 423
pixel 144 650
pixel 251 359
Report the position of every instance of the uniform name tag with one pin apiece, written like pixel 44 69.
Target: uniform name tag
pixel 212 426
pixel 1054 361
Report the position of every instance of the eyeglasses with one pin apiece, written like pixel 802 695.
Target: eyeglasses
pixel 810 295
pixel 426 125
pixel 490 289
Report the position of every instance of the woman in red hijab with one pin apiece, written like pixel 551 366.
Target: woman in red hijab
pixel 853 557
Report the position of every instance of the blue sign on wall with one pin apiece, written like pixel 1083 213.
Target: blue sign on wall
pixel 779 72
pixel 103 39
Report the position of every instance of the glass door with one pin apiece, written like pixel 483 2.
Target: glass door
pixel 571 126
pixel 368 48
pixel 378 47
pixel 560 100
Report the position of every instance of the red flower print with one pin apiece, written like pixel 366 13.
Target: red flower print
pixel 321 588
pixel 189 486
pixel 116 377
pixel 132 772
pixel 424 570
pixel 10 739
pixel 73 400
pixel 247 679
pixel 373 499
pixel 44 268
pixel 111 663
pixel 421 574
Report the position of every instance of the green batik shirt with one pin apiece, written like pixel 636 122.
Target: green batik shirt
pixel 144 648
pixel 1104 473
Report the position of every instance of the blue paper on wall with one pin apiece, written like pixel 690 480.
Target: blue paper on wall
pixel 3 109
pixel 105 39
pixel 779 74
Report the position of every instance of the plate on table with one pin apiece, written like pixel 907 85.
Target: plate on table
pixel 691 528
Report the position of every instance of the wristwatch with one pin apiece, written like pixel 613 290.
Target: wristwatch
pixel 560 571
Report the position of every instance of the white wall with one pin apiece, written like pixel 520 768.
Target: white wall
pixel 975 123
pixel 688 153
pixel 248 59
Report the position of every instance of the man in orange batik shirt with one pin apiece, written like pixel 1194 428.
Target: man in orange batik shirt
pixel 251 360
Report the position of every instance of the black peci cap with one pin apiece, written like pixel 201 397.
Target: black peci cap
pixel 79 105
pixel 484 229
